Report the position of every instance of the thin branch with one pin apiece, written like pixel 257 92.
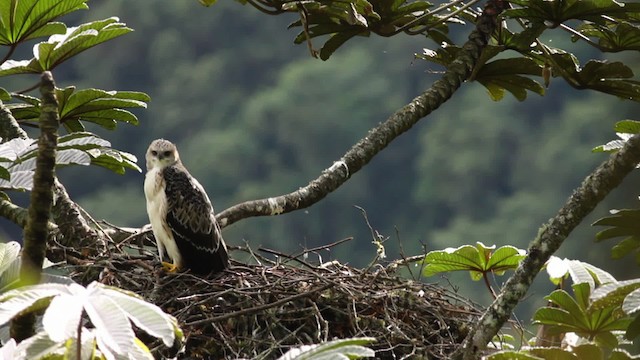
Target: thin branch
pixel 18 215
pixel 259 308
pixel 550 236
pixel 379 137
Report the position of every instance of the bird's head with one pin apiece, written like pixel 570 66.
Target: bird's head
pixel 161 153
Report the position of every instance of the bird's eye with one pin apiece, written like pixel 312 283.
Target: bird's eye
pixel 167 153
pixel 154 153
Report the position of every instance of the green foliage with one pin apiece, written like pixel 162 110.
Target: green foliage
pixel 17 158
pixel 579 271
pixel 59 48
pixel 337 349
pixel 100 107
pixel 25 20
pixel 624 294
pixel 585 351
pixel 110 310
pixel 624 129
pixel 622 223
pixel 579 315
pixel 479 260
pixel 22 20
pixel 604 24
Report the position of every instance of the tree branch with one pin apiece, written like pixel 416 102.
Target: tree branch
pixel 35 233
pixel 19 215
pixel 9 128
pixel 550 236
pixel 379 137
pixel 73 226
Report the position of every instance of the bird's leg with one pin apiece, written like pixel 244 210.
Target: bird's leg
pixel 169 267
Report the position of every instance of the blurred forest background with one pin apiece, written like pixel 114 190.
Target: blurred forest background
pixel 255 116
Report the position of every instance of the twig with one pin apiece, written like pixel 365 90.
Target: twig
pixel 323 247
pixel 280 254
pixel 259 308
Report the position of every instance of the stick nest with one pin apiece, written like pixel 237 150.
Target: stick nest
pixel 259 311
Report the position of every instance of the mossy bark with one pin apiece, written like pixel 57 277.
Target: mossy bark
pixel 36 229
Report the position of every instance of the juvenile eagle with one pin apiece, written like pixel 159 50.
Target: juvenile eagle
pixel 181 214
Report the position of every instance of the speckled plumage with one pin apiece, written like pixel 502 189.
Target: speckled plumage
pixel 181 213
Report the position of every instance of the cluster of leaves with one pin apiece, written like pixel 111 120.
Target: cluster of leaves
pixel 594 317
pixel 607 25
pixel 480 261
pixel 64 332
pixel 25 20
pixel 624 222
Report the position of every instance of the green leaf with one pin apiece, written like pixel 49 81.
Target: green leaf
pixel 613 294
pixel 625 247
pixel 4 95
pixel 104 108
pixel 478 260
pixel 512 355
pixel 114 160
pixel 633 331
pixel 552 353
pixel 11 67
pixel 622 36
pixel 207 3
pixel 579 271
pixel 60 48
pixel 631 303
pixel 624 223
pixel 15 302
pixel 588 352
pixel 337 349
pixel 627 127
pixel 555 13
pixel 20 180
pixel 144 315
pixel 336 41
pixel 8 254
pixel 22 20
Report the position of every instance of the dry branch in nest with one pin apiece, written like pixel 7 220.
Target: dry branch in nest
pixel 261 311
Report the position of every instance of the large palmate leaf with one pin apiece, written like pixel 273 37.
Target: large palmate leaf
pixel 110 310
pixel 625 294
pixel 608 77
pixel 60 47
pixel 18 158
pixel 614 37
pixel 498 76
pixel 580 272
pixel 580 315
pixel 104 108
pixel 479 260
pixel 21 20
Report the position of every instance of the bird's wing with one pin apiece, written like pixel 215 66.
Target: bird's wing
pixel 190 215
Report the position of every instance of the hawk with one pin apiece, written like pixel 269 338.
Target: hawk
pixel 181 214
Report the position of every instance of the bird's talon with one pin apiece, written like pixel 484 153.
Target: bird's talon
pixel 169 267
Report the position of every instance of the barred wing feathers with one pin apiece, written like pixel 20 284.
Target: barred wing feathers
pixel 191 220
